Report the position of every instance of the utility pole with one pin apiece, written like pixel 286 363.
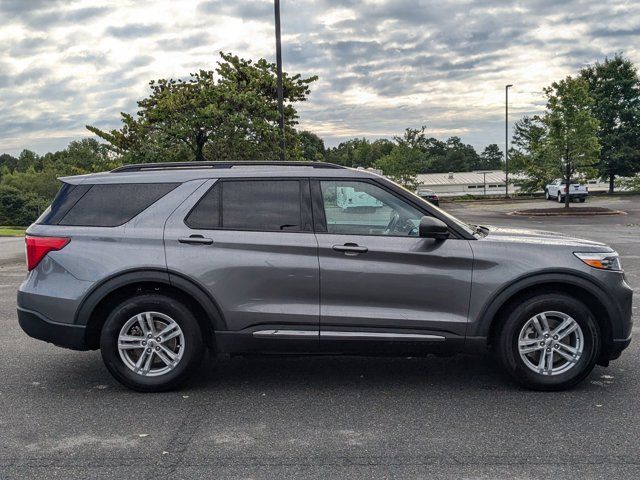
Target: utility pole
pixel 279 69
pixel 506 139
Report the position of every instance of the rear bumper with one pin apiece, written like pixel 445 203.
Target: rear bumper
pixel 60 334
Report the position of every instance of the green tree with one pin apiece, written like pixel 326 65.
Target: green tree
pixel 402 165
pixel 227 114
pixel 356 152
pixel 615 88
pixel 571 142
pixel 8 162
pixel 311 146
pixel 28 159
pixel 82 156
pixel 526 154
pixel 380 148
pixel 490 158
pixel 451 156
pixel 405 160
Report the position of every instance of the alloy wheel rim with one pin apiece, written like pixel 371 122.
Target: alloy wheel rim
pixel 551 343
pixel 151 344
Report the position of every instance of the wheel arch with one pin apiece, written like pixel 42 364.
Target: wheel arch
pixel 498 308
pixel 97 304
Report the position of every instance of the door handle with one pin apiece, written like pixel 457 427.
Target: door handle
pixel 350 249
pixel 196 240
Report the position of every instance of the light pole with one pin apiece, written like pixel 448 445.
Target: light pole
pixel 279 85
pixel 506 139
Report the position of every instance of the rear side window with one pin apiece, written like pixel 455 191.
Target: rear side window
pixel 108 205
pixel 263 205
pixel 65 199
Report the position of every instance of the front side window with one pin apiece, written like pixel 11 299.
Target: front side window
pixel 362 208
pixel 259 205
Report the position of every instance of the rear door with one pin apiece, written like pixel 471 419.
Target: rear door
pixel 379 281
pixel 249 243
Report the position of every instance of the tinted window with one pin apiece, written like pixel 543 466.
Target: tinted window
pixel 268 205
pixel 362 208
pixel 261 205
pixel 109 205
pixel 206 214
pixel 67 197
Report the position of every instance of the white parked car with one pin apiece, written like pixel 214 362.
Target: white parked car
pixel 557 190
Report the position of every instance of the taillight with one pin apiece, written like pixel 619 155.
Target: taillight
pixel 38 247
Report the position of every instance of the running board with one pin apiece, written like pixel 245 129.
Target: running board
pixel 343 335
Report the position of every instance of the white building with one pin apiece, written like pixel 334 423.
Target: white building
pixel 452 184
pixel 485 182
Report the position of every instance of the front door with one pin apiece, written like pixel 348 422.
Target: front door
pixel 378 279
pixel 250 244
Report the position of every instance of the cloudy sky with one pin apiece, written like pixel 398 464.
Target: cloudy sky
pixel 384 65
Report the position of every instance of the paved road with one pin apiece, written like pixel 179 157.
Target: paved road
pixel 11 249
pixel 62 416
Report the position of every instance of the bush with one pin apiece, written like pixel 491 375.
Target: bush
pixel 19 208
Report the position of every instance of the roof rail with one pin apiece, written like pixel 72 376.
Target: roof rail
pixel 138 167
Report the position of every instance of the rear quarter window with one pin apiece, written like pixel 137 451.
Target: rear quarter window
pixel 106 205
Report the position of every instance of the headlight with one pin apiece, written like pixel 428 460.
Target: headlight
pixel 602 261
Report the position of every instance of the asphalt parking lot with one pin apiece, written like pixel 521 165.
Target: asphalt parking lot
pixel 63 416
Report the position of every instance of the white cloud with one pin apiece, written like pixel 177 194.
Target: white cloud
pixel 384 65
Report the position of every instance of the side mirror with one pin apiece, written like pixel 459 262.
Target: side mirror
pixel 433 228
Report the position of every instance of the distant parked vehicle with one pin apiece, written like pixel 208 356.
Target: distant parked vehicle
pixel 350 199
pixel 557 190
pixel 428 195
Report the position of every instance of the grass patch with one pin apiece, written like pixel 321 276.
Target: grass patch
pixel 12 231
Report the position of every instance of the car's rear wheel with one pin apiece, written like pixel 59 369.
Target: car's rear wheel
pixel 582 200
pixel 151 343
pixel 549 342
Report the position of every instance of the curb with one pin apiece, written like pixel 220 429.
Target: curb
pixel 562 214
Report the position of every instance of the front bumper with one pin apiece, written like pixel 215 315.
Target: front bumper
pixel 617 347
pixel 60 334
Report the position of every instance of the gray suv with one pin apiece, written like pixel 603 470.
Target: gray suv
pixel 154 263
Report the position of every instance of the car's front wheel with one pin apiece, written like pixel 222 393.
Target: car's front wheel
pixel 546 195
pixel 559 198
pixel 549 342
pixel 151 343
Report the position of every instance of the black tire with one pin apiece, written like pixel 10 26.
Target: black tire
pixel 193 343
pixel 508 338
pixel 560 198
pixel 582 200
pixel 546 194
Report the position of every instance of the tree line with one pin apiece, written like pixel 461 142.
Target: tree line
pixel 590 126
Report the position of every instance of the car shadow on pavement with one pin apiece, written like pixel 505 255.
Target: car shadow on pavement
pixel 328 373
